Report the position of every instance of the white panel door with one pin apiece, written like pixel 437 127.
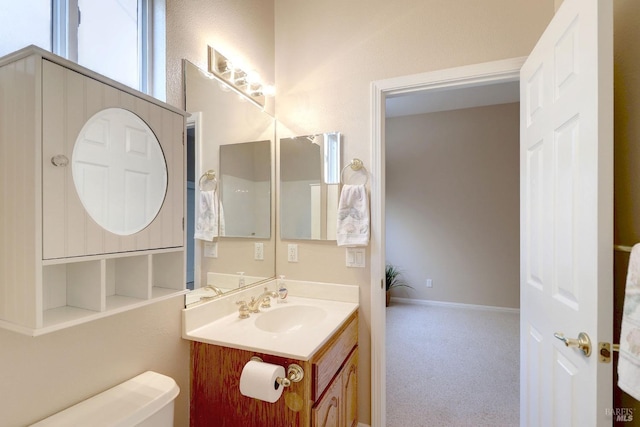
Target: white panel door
pixel 566 190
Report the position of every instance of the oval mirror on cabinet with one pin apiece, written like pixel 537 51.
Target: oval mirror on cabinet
pixel 119 171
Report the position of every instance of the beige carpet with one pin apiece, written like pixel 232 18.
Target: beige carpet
pixel 451 366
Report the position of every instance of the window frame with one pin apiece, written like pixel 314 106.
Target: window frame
pixel 64 38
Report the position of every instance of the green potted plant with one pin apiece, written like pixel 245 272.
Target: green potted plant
pixel 394 280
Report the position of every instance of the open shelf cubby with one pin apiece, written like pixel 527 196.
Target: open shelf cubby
pixel 167 274
pixel 71 291
pixel 96 286
pixel 127 281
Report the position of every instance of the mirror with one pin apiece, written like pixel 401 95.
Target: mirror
pixel 309 186
pixel 245 178
pixel 234 138
pixel 119 171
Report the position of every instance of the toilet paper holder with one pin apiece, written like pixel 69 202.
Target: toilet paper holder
pixel 295 373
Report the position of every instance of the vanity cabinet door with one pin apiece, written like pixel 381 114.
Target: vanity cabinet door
pixel 328 411
pixel 350 390
pixel 69 100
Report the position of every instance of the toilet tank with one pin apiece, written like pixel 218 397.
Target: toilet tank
pixel 145 401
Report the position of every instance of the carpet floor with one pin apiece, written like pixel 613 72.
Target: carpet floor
pixel 450 366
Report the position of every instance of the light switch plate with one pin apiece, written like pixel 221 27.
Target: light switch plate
pixel 356 257
pixel 211 249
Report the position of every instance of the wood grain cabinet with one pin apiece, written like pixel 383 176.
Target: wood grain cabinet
pixel 327 412
pixel 338 406
pixel 327 395
pixel 58 267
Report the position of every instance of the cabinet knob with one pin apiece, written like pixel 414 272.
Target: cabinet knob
pixel 60 160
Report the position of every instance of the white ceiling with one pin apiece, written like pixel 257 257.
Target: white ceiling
pixel 430 101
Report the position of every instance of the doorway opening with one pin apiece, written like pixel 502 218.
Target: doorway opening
pixel 426 84
pixel 452 228
pixel 191 194
pixel 193 149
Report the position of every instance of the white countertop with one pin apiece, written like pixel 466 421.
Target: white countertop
pixel 223 327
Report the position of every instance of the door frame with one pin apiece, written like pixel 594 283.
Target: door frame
pixel 195 121
pixel 502 71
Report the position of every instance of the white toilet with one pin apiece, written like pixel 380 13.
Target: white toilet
pixel 145 401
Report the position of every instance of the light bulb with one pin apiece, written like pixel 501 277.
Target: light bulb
pixel 269 90
pixel 253 78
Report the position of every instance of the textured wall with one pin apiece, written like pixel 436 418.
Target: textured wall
pixel 46 374
pixel 453 204
pixel 328 53
pixel 242 29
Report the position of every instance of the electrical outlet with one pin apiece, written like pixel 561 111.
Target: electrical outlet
pixel 258 251
pixel 429 283
pixel 292 252
pixel 211 249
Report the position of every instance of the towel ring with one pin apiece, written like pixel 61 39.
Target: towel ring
pixel 209 175
pixel 356 165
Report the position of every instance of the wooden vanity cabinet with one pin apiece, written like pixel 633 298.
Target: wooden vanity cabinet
pixel 327 412
pixel 338 406
pixel 327 395
pixel 350 390
pixel 58 267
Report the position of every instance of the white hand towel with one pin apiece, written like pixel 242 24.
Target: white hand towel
pixel 629 361
pixel 208 218
pixel 353 216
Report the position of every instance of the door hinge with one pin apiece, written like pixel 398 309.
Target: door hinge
pixel 604 351
pixel 381 283
pixel 182 223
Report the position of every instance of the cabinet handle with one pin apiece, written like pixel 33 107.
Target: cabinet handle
pixel 59 160
pixel 352 371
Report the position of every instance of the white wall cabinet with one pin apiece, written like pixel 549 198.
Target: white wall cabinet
pixel 58 267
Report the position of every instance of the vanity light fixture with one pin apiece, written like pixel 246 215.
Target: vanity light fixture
pixel 244 82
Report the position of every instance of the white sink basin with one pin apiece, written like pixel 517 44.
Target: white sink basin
pixel 285 319
pixel 295 329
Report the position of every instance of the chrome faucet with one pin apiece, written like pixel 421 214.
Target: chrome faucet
pixel 264 301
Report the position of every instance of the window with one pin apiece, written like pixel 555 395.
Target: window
pixel 16 17
pixel 111 37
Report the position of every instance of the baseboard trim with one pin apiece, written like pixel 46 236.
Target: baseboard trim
pixel 455 305
pixel 363 425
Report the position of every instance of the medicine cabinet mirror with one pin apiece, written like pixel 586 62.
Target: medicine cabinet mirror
pixel 245 189
pixel 234 139
pixel 309 186
pixel 119 171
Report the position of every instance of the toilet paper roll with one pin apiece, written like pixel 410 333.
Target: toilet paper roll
pixel 258 380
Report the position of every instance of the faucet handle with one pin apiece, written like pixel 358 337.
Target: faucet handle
pixel 266 301
pixel 243 310
pixel 253 306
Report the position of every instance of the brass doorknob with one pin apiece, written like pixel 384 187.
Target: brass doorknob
pixel 583 342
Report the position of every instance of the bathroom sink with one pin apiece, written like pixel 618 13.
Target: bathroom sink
pixel 290 318
pixel 295 329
